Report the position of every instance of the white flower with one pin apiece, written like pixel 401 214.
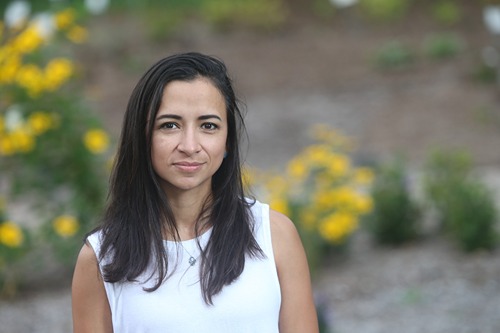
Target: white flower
pixel 491 17
pixel 16 13
pixel 45 24
pixel 96 6
pixel 13 118
pixel 343 3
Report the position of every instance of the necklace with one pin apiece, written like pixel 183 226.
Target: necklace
pixel 192 260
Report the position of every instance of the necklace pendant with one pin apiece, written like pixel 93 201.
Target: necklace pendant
pixel 192 261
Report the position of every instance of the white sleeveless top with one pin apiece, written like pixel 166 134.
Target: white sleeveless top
pixel 250 304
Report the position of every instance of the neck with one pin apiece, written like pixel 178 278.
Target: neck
pixel 186 207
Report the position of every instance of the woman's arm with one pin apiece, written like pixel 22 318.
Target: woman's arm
pixel 298 313
pixel 91 312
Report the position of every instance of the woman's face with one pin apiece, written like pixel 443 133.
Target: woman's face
pixel 189 136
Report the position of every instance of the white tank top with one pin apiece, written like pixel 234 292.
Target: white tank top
pixel 250 304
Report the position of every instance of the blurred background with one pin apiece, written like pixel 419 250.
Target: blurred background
pixel 373 124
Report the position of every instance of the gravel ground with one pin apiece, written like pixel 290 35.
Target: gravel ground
pixel 425 287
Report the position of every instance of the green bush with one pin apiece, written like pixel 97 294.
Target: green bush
pixel 442 46
pixel 394 55
pixel 485 74
pixel 465 206
pixel 385 10
pixel 446 12
pixel 259 14
pixel 472 216
pixel 163 17
pixel 53 151
pixel 395 215
pixel 442 171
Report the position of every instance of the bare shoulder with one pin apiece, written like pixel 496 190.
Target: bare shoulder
pixel 86 268
pixel 87 255
pixel 298 313
pixel 284 235
pixel 281 225
pixel 91 312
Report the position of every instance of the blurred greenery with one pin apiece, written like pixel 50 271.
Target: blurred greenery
pixel 394 55
pixel 322 192
pixel 52 148
pixel 443 46
pixel 385 10
pixel 447 12
pixel 395 216
pixel 465 205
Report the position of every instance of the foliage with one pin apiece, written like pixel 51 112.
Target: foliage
pixel 322 193
pixel 466 206
pixel 446 12
pixel 484 73
pixel 52 149
pixel 261 14
pixel 442 46
pixel 385 10
pixel 323 8
pixel 164 17
pixel 395 215
pixel 394 55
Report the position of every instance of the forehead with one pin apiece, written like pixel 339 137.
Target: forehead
pixel 197 93
pixel 192 97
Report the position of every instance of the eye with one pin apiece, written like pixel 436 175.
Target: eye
pixel 209 126
pixel 169 125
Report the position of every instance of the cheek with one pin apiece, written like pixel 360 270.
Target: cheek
pixel 159 149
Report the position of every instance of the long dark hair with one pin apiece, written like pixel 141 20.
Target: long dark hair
pixel 138 210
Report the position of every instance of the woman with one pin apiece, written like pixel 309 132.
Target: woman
pixel 180 248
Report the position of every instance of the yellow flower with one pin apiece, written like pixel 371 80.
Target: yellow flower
pixel 7 147
pixel 28 40
pixel 11 235
pixel 65 18
pixel 364 204
pixel 65 226
pixel 317 155
pixel 22 139
pixel 277 184
pixel 297 168
pixel 363 176
pixel 337 226
pixel 77 34
pixel 9 69
pixel 40 122
pixel 344 197
pixel 247 177
pixel 57 72
pixel 308 218
pixel 96 141
pixel 323 200
pixel 338 165
pixel 30 77
pixel 279 205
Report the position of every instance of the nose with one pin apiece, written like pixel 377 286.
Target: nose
pixel 189 142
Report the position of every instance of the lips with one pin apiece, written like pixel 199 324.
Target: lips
pixel 188 166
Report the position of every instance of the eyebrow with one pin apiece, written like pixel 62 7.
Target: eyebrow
pixel 177 117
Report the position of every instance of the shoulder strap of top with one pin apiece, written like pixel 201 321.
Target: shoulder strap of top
pixel 94 240
pixel 262 228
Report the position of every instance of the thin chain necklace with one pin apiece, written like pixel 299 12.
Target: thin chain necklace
pixel 192 260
